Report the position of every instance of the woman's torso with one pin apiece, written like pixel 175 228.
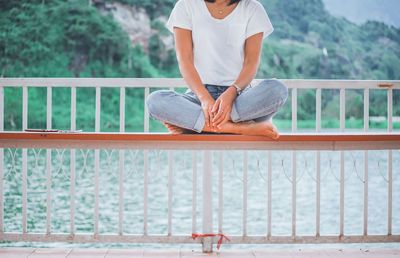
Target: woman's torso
pixel 218 44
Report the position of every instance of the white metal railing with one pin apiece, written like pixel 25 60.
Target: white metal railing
pixel 50 83
pixel 148 83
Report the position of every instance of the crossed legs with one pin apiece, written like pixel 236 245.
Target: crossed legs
pixel 251 111
pixel 264 128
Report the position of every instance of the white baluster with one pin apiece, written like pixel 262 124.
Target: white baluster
pixel 390 109
pixel 96 190
pixel 318 190
pixel 341 192
pixel 194 193
pixel 390 191
pixel 366 128
pixel 220 191
pixel 48 161
pixel 269 194
pixel 24 186
pixel 366 110
pixel 121 192
pixel 24 108
pixel 145 189
pixel 146 111
pixel 365 227
pixel 207 200
pixel 121 161
pixel 342 109
pixel 122 110
pixel 244 193
pixel 97 111
pixel 1 159
pixel 294 109
pixel 294 182
pixel 97 164
pixel 170 182
pixel 318 110
pixel 318 165
pixel 72 164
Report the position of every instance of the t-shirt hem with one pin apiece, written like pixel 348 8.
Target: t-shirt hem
pixel 266 33
pixel 182 26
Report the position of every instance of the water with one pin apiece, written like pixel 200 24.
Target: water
pixel 182 193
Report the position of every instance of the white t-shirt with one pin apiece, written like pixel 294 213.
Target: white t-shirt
pixel 218 44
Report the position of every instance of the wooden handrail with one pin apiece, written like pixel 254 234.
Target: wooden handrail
pixel 154 137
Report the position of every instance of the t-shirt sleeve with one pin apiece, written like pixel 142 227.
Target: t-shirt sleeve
pixel 179 17
pixel 259 22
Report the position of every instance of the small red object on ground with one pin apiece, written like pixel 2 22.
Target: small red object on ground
pixel 222 236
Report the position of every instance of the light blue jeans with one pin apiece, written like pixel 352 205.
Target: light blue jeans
pixel 257 103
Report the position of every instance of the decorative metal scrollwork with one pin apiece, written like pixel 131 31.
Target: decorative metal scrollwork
pixel 381 173
pixel 11 168
pixel 110 166
pixel 185 172
pixel 333 174
pixel 35 167
pixel 84 180
pixel 354 169
pixel 306 170
pixel 249 179
pixel 298 178
pixel 133 168
pixel 265 179
pixel 84 165
pixel 158 173
pixel 60 170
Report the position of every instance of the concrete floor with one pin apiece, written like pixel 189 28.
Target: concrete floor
pixel 148 253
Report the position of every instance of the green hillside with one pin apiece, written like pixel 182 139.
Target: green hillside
pixel 65 39
pixel 59 38
pixel 304 29
pixel 69 38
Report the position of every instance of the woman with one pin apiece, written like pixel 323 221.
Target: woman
pixel 218 45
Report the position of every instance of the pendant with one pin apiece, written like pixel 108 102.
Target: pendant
pixel 220 11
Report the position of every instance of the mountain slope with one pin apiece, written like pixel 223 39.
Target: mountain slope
pixel 70 38
pixel 310 43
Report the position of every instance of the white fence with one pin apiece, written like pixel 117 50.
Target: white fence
pixel 69 142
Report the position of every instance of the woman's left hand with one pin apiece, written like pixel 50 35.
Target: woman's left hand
pixel 223 106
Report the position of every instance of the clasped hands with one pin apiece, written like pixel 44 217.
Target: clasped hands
pixel 217 112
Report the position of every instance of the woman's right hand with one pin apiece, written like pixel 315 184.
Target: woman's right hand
pixel 207 106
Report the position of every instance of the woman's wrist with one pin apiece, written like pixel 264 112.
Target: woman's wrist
pixel 238 89
pixel 232 89
pixel 231 93
pixel 204 97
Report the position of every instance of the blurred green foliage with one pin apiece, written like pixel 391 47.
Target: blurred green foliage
pixel 153 8
pixel 58 38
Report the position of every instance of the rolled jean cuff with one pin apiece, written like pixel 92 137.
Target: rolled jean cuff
pixel 234 114
pixel 198 127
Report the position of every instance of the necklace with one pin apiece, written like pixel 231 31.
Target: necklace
pixel 220 11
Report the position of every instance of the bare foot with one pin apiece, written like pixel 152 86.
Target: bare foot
pixel 176 129
pixel 264 128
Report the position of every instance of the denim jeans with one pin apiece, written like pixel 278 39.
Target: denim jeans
pixel 257 103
